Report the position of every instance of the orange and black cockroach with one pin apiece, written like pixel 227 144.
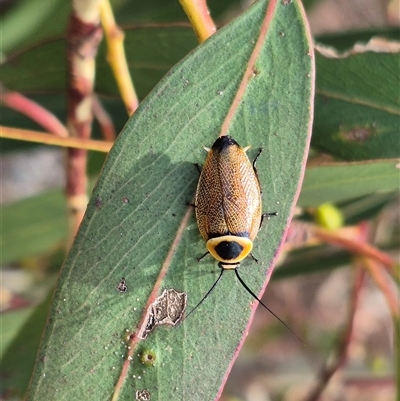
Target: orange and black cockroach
pixel 228 208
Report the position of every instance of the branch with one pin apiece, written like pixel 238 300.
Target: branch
pixel 104 120
pixel 116 57
pixel 199 16
pixel 48 139
pixel 18 102
pixel 340 357
pixel 83 37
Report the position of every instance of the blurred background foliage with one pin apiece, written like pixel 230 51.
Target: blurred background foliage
pixel 356 123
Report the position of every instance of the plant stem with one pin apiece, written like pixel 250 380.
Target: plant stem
pixel 340 357
pixel 116 57
pixel 199 16
pixel 18 102
pixel 83 37
pixel 48 139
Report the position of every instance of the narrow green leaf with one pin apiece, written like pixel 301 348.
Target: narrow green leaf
pixel 138 210
pixel 19 353
pixel 367 207
pixel 341 181
pixel 11 323
pixel 150 50
pixel 312 260
pixel 357 102
pixel 25 233
pixel 32 20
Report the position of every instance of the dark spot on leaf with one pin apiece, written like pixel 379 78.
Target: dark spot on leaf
pixel 98 202
pixel 130 336
pixel 122 287
pixel 148 357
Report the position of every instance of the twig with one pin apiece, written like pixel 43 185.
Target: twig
pixel 381 280
pixel 355 246
pixel 116 57
pixel 199 16
pixel 18 102
pixel 83 37
pixel 104 119
pixel 48 139
pixel 341 354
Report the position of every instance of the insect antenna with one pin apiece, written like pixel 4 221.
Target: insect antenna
pixel 262 303
pixel 205 296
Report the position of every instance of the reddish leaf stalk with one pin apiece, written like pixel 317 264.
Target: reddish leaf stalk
pixel 359 247
pixel 83 37
pixel 380 278
pixel 299 235
pixel 18 102
pixel 341 354
pixel 104 119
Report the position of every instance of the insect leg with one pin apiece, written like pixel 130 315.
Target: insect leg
pixel 254 258
pixel 255 169
pixel 255 159
pixel 264 215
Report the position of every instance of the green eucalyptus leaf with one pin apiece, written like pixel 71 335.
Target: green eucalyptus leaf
pixel 25 233
pixel 310 260
pixel 30 21
pixel 343 181
pixel 150 50
pixel 357 101
pixel 20 346
pixel 135 226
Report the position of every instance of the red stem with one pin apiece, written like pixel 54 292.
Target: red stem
pixel 341 354
pixel 83 39
pixel 18 102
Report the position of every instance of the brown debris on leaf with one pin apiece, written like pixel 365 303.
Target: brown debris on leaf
pixel 168 309
pixel 143 395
